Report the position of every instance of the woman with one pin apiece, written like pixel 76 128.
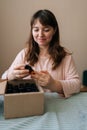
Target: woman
pixel 54 67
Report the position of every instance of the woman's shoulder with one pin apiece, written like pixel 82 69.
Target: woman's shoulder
pixel 68 59
pixel 68 56
pixel 68 51
pixel 22 52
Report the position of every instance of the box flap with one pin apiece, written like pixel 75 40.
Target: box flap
pixel 2 87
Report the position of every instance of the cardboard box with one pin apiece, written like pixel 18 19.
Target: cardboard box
pixel 19 102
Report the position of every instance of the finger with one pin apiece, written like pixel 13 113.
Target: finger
pixel 23 72
pixel 44 72
pixel 20 72
pixel 35 75
pixel 21 66
pixel 22 75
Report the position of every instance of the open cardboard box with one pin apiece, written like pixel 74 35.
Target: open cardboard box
pixel 21 103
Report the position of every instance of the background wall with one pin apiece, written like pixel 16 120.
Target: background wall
pixel 14 27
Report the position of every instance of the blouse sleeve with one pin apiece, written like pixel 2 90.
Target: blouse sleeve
pixel 18 60
pixel 71 84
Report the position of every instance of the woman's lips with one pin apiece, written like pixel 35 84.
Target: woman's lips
pixel 41 39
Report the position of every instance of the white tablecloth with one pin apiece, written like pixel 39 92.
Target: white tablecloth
pixel 59 114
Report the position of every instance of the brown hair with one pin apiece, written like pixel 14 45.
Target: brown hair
pixel 55 50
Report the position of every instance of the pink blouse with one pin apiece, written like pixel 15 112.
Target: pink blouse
pixel 66 73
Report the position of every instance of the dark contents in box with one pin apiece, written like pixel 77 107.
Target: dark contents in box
pixel 20 87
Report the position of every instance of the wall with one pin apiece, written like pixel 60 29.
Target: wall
pixel 14 27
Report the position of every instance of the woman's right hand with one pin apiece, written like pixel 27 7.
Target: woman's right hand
pixel 18 72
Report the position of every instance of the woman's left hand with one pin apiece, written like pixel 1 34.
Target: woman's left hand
pixel 43 79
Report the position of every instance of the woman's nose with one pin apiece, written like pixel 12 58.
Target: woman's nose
pixel 41 33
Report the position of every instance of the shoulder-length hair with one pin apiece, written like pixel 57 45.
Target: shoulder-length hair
pixel 55 50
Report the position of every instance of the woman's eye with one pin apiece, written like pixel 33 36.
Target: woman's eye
pixel 44 29
pixel 36 30
pixel 47 30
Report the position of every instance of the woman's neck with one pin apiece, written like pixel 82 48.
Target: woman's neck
pixel 43 51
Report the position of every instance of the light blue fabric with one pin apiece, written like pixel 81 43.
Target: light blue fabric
pixel 59 114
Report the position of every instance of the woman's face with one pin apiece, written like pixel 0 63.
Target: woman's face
pixel 42 34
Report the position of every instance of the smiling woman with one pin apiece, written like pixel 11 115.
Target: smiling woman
pixel 42 34
pixel 53 66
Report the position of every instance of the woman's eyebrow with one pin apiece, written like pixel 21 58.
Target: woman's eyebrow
pixel 35 27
